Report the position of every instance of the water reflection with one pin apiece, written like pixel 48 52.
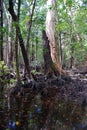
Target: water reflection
pixel 37 112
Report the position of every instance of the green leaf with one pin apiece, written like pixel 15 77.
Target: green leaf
pixel 1 64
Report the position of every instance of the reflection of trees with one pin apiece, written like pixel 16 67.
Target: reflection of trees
pixel 69 113
pixel 37 111
pixel 58 113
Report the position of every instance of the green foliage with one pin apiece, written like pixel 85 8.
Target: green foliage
pixel 33 71
pixel 62 26
pixel 4 75
pixel 3 71
pixel 12 81
pixel 69 3
pixel 3 68
pixel 85 2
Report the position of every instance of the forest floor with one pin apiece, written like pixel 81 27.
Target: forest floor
pixel 70 88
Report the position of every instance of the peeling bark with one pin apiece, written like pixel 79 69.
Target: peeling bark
pixel 50 31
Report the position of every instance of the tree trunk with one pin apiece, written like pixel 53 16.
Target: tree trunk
pixel 48 63
pixel 15 19
pixel 29 27
pixel 1 32
pixel 72 59
pixel 33 52
pixel 17 59
pixel 16 47
pixel 59 47
pixel 9 43
pixel 9 52
pixel 36 47
pixel 50 31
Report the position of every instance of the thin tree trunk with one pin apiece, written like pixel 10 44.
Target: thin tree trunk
pixel 9 47
pixel 15 19
pixel 33 52
pixel 71 13
pixel 16 46
pixel 9 43
pixel 29 27
pixel 1 32
pixel 29 30
pixel 59 47
pixel 50 31
pixel 36 48
pixel 72 59
pixel 16 58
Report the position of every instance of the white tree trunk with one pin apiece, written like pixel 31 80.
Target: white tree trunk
pixel 50 28
pixel 50 31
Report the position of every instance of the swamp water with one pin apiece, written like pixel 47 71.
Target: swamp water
pixel 36 111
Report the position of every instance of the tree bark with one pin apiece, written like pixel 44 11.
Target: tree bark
pixel 50 31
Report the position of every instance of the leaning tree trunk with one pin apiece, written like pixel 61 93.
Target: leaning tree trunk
pixel 15 19
pixel 29 26
pixel 1 32
pixel 50 31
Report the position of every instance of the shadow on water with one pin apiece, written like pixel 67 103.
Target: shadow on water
pixel 36 111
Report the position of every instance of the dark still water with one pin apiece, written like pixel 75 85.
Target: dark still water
pixel 41 111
